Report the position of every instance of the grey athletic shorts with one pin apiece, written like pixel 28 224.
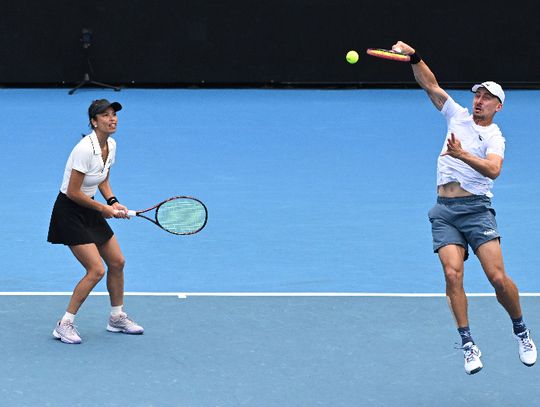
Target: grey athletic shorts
pixel 466 221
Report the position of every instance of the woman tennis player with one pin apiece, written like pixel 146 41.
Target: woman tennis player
pixel 78 221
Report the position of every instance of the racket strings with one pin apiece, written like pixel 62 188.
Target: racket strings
pixel 181 216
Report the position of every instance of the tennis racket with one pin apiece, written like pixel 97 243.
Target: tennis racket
pixel 179 215
pixel 388 54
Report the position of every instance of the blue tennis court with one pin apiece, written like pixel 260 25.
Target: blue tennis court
pixel 312 284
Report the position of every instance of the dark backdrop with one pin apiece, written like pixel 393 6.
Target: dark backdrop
pixel 265 42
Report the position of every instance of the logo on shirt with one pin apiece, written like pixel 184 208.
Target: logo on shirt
pixel 480 138
pixel 490 232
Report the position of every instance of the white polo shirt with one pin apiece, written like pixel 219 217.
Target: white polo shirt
pixel 477 140
pixel 86 158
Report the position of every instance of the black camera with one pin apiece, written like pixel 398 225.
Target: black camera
pixel 86 37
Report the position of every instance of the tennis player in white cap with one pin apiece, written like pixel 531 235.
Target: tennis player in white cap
pixel 463 217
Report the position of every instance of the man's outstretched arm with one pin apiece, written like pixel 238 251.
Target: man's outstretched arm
pixel 424 77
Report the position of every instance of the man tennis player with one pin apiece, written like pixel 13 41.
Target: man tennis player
pixel 470 160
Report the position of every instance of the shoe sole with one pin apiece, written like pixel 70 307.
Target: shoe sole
pixel 58 336
pixel 474 371
pixel 119 330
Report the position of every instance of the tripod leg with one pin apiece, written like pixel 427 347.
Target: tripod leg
pixel 116 88
pixel 80 85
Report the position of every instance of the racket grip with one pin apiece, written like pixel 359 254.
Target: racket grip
pixel 129 212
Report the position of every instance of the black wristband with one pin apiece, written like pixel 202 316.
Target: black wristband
pixel 112 200
pixel 415 58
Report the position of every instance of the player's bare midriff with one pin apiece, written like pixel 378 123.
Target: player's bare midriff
pixel 452 190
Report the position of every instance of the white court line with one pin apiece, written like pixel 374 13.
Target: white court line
pixel 255 294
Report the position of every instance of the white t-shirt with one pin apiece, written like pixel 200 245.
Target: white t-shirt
pixel 477 140
pixel 86 158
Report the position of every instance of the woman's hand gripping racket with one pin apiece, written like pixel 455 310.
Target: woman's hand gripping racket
pixel 179 215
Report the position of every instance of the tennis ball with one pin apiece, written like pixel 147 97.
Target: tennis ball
pixel 352 57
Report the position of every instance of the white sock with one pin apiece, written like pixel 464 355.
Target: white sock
pixel 68 317
pixel 115 311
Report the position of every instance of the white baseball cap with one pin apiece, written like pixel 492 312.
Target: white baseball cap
pixel 492 87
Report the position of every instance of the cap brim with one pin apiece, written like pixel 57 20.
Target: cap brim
pixel 476 87
pixel 116 106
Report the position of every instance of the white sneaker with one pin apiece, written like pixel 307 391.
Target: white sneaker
pixel 66 332
pixel 527 348
pixel 122 323
pixel 472 355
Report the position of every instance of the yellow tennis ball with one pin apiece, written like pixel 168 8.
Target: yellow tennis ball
pixel 352 57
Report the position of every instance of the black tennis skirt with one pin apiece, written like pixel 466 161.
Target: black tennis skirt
pixel 72 224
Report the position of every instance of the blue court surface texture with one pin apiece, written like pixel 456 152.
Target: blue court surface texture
pixel 314 282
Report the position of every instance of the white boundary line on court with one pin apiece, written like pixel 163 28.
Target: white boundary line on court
pixel 255 294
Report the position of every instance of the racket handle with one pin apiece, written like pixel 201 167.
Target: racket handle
pixel 129 212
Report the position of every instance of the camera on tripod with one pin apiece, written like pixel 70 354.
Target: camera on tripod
pixel 86 41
